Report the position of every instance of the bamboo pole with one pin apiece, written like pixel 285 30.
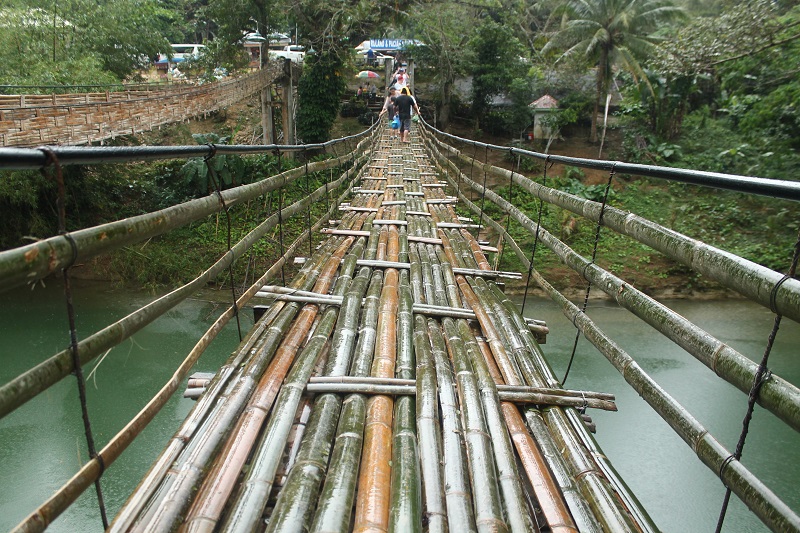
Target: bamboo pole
pixel 405 511
pixel 460 514
pixel 593 485
pixel 776 395
pixel 42 258
pixel 296 502
pixel 249 503
pixel 372 503
pixel 500 387
pixel 428 428
pixel 338 493
pixel 487 482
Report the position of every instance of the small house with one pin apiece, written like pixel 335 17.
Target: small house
pixel 541 108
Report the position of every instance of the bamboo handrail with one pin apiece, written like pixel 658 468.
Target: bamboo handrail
pixel 40 259
pixel 777 395
pixel 21 389
pixel 770 509
pixel 745 277
pixel 67 494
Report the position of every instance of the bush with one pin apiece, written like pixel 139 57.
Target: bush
pixel 353 108
pixel 368 119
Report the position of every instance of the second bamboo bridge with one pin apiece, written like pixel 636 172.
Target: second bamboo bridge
pixel 391 385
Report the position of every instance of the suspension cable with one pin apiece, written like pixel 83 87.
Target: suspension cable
pixel 277 153
pixel 594 256
pixel 510 201
pixel 52 159
pixel 483 192
pixel 547 165
pixel 763 375
pixel 218 186
pixel 308 208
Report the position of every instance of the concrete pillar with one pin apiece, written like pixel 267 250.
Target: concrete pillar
pixel 387 68
pixel 288 105
pixel 267 123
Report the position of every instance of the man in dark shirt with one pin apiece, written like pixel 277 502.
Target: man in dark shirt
pixel 404 103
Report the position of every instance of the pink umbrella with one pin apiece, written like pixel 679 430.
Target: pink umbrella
pixel 367 74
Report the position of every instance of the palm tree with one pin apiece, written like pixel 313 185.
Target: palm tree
pixel 611 33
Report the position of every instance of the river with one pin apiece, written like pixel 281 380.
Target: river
pixel 42 443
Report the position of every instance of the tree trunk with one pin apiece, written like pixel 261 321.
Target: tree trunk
pixel 601 79
pixel 444 107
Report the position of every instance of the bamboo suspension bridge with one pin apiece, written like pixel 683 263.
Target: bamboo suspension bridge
pixel 391 385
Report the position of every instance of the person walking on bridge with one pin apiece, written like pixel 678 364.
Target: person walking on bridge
pixel 405 102
pixel 390 109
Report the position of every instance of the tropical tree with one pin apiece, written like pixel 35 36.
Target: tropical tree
pixel 444 28
pixel 609 34
pixel 77 41
pixel 331 27
pixel 319 93
pixel 495 58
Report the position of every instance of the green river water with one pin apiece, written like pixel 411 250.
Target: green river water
pixel 42 443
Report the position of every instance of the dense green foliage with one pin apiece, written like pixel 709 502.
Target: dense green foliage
pixel 716 90
pixel 78 41
pixel 320 93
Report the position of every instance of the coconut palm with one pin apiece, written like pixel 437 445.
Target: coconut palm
pixel 611 33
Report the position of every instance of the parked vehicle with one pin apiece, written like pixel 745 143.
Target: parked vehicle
pixel 180 53
pixel 294 52
pixel 378 59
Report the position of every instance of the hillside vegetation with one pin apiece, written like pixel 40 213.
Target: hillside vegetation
pixel 701 84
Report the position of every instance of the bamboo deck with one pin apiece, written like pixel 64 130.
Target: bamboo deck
pixel 391 386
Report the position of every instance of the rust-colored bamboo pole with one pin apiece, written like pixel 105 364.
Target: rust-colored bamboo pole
pixel 374 484
pixel 219 483
pixel 338 492
pixel 298 497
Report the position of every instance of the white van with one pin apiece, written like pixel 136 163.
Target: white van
pixel 181 52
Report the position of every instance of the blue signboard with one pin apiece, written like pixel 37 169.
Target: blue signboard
pixel 391 44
